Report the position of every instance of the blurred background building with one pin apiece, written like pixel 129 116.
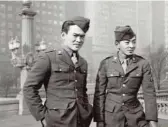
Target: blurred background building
pixel 149 19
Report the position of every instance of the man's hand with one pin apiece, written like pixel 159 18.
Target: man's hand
pixel 100 124
pixel 153 124
pixel 43 122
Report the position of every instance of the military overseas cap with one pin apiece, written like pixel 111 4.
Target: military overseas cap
pixel 123 33
pixel 82 22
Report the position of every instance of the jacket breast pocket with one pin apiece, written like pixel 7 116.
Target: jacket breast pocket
pixel 60 72
pixel 60 69
pixel 135 79
pixel 113 77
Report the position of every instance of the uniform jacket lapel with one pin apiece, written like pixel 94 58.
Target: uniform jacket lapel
pixel 116 64
pixel 80 61
pixel 65 57
pixel 132 64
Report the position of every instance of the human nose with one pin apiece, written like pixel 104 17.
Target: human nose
pixel 79 39
pixel 131 45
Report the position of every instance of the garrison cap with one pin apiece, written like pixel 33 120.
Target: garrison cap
pixel 80 21
pixel 123 33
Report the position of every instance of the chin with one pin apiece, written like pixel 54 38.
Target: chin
pixel 129 54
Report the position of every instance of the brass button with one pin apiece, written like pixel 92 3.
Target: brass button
pixel 111 74
pixel 60 69
pixel 123 94
pixel 124 85
pixel 74 71
pixel 123 104
pixel 76 89
pixel 76 80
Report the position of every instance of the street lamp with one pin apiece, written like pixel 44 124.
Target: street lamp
pixel 25 59
pixel 14 45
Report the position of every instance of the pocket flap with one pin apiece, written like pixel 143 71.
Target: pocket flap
pixel 136 74
pixel 58 68
pixel 110 106
pixel 136 109
pixel 113 74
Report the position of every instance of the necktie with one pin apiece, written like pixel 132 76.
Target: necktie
pixel 124 65
pixel 74 58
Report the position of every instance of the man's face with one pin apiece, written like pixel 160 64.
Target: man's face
pixel 127 47
pixel 74 38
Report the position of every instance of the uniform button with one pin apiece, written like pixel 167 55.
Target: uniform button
pixel 123 94
pixel 74 71
pixel 60 69
pixel 124 85
pixel 76 89
pixel 76 80
pixel 122 76
pixel 122 103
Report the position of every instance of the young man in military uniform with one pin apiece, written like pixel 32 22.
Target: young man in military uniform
pixel 63 73
pixel 118 81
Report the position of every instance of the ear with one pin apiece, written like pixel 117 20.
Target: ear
pixel 63 34
pixel 117 45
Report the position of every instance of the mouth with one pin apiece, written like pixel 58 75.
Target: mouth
pixel 130 50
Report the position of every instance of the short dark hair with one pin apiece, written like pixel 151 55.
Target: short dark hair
pixel 66 25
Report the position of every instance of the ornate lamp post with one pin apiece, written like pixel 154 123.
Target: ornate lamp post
pixel 25 60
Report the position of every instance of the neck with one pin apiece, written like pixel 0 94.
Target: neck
pixel 122 55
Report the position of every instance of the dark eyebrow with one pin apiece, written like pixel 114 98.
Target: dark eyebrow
pixel 79 34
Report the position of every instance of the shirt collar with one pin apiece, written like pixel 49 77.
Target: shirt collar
pixel 70 52
pixel 122 60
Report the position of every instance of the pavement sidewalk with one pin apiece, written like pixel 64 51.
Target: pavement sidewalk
pixel 29 121
pixel 22 121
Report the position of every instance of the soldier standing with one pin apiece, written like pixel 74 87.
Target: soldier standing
pixel 63 73
pixel 118 81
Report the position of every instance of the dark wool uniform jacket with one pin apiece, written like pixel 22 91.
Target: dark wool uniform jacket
pixel 65 87
pixel 115 90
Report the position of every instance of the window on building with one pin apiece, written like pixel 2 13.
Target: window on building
pixel 2 6
pixel 3 24
pixel 37 28
pixel 50 21
pixel 50 6
pixel 18 10
pixel 3 40
pixel 18 26
pixel 55 6
pixel 37 20
pixel 49 13
pixel 37 4
pixel 18 17
pixel 38 11
pixel 60 7
pixel 9 8
pixel 10 16
pixel 55 14
pixel 3 15
pixel 60 14
pixel 44 12
pixel 43 4
pixel 2 32
pixel 10 34
pixel 55 22
pixel 10 25
pixel 38 35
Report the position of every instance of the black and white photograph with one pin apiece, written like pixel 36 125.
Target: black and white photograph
pixel 83 63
